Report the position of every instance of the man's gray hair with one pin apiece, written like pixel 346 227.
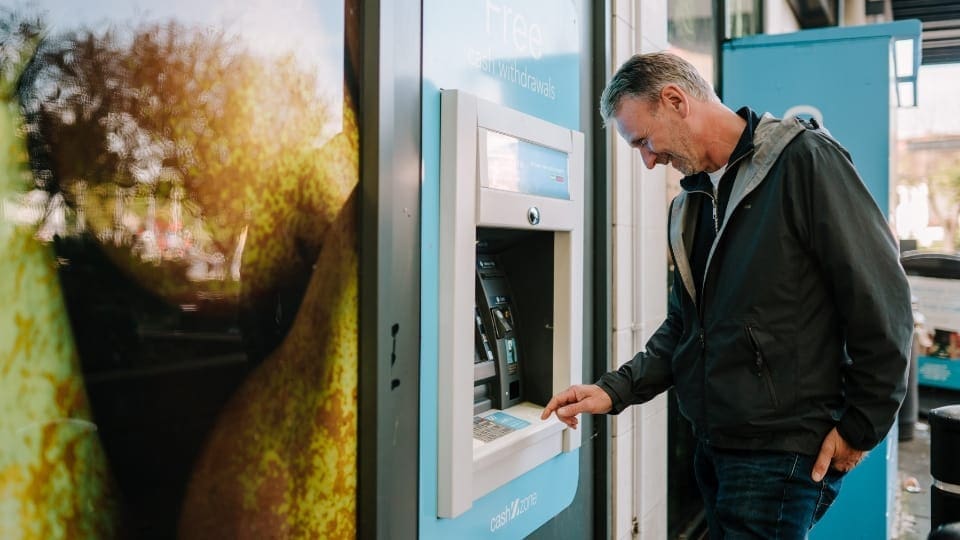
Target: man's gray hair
pixel 645 75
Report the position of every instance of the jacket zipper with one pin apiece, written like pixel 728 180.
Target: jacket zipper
pixel 716 219
pixel 716 230
pixel 701 333
pixel 713 201
pixel 714 196
pixel 716 199
pixel 703 384
pixel 763 370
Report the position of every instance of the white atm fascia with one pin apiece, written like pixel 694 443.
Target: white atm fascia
pixel 467 469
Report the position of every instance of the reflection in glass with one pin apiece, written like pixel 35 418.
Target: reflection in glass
pixel 690 26
pixel 188 182
pixel 743 18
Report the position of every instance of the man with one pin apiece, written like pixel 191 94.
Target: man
pixel 789 323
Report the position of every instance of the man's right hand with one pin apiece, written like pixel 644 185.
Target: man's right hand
pixel 580 398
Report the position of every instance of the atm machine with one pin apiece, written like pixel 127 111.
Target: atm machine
pixel 511 316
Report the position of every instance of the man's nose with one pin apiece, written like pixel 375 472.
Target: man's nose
pixel 649 158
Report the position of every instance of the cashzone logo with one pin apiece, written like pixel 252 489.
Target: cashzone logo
pixel 512 511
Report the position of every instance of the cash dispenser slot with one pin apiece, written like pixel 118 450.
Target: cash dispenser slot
pixel 496 312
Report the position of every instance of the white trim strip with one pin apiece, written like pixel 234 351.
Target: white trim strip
pixel 946 486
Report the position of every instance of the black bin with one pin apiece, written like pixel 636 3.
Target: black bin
pixel 945 532
pixel 929 264
pixel 945 465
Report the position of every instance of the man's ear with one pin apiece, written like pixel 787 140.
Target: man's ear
pixel 675 99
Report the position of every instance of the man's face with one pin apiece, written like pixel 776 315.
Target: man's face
pixel 658 133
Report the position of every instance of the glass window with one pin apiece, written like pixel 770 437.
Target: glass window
pixel 743 18
pixel 691 29
pixel 178 237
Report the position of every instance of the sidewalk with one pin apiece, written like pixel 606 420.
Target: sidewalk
pixel 912 505
pixel 912 520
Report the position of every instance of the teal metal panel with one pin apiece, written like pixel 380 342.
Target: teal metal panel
pixel 846 80
pixel 899 29
pixel 524 54
pixel 939 372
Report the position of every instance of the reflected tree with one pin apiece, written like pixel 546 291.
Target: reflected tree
pixel 177 170
pixel 179 145
pixel 944 199
pixel 921 164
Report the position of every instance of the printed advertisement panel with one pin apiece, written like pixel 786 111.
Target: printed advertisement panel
pixel 178 344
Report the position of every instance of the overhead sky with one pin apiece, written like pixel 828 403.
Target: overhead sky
pixel 938 112
pixel 279 26
pixel 313 29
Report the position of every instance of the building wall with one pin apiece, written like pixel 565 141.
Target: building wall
pixel 639 293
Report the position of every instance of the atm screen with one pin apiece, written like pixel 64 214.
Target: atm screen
pixel 523 167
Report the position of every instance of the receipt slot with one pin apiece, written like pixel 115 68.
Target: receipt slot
pixel 511 267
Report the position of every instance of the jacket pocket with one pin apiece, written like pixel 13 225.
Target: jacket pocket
pixel 762 368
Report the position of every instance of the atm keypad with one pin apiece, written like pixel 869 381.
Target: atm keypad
pixel 486 430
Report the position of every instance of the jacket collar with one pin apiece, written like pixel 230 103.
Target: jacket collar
pixel 700 181
pixel 771 137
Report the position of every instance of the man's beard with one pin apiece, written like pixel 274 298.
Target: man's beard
pixel 680 160
pixel 683 165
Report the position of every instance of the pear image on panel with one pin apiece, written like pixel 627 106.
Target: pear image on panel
pixel 210 175
pixel 54 479
pixel 281 460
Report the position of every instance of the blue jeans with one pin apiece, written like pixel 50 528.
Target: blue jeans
pixel 761 494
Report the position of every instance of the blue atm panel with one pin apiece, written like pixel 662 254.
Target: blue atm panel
pixel 842 75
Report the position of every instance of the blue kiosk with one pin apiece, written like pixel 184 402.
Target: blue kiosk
pixel 502 265
pixel 850 79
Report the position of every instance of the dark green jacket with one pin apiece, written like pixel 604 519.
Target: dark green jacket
pixel 804 321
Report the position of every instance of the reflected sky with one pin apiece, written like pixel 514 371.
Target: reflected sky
pixel 938 110
pixel 313 28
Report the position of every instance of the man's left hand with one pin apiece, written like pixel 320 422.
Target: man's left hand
pixel 836 453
